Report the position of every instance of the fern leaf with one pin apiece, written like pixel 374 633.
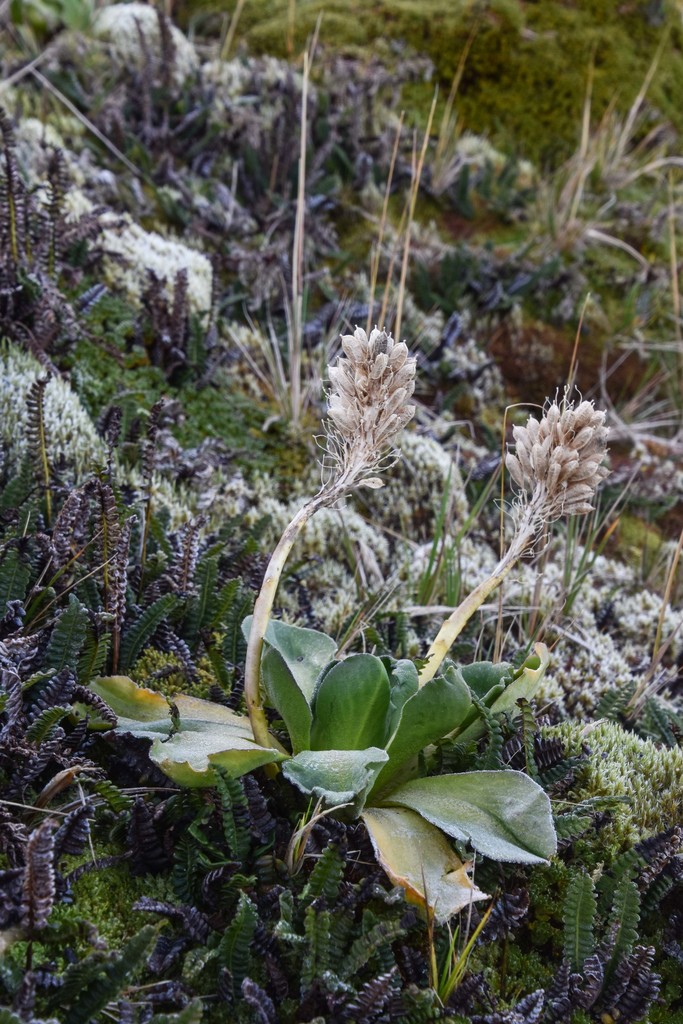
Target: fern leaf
pixel 224 601
pixel 110 977
pixel 579 916
pixel 7 1017
pixel 39 877
pixel 569 826
pixel 201 606
pixel 317 957
pixel 491 758
pixel 529 733
pixel 373 997
pixel 42 725
pixel 234 645
pixel 622 929
pixel 260 1002
pixel 614 702
pixel 37 435
pixel 325 877
pixel 341 927
pixel 113 796
pixel 145 627
pixel 234 948
pixel 14 578
pixel 235 815
pixel 93 657
pixel 68 636
pixel 374 942
pixel 660 723
pixel 17 490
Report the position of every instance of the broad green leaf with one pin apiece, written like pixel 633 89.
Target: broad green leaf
pixel 403 682
pixel 203 734
pixel 525 682
pixel 351 705
pixel 418 857
pixel 190 756
pixel 133 703
pixel 283 694
pixel 522 682
pixel 483 676
pixel 305 651
pixel 336 776
pixel 435 710
pixel 504 814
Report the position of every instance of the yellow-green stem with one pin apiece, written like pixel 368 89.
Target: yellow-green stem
pixel 458 619
pixel 259 623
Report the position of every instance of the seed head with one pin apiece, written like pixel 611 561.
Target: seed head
pixel 558 462
pixel 369 396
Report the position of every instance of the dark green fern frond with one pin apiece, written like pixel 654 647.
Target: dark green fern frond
pixel 37 436
pixel 235 814
pixel 91 983
pixel 579 917
pixel 192 1014
pixel 137 635
pixel 112 795
pixel 317 956
pixel 234 949
pixel 373 943
pixel 68 636
pixel 614 702
pixel 93 656
pixel 529 730
pixel 201 606
pixel 41 727
pixel 491 759
pixel 326 876
pixel 15 575
pixel 622 927
pixel 661 723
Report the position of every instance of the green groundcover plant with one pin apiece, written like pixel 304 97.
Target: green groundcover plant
pixel 356 734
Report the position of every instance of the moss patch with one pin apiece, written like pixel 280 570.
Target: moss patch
pixel 525 77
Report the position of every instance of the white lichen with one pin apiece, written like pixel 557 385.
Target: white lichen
pixel 72 440
pixel 132 34
pixel 132 251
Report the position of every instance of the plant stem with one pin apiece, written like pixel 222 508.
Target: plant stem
pixel 456 622
pixel 264 607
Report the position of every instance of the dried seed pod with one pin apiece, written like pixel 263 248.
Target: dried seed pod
pixel 369 398
pixel 558 462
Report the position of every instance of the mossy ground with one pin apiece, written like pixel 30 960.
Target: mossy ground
pixel 526 73
pixel 487 252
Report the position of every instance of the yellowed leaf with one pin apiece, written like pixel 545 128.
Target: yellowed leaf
pixel 417 856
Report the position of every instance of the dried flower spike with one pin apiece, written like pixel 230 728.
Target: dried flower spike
pixel 558 462
pixel 369 404
pixel 557 467
pixel 369 398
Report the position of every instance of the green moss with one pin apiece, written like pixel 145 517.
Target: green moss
pixel 525 76
pixel 622 765
pixel 671 994
pixel 104 374
pixel 101 899
pixel 105 898
pixel 154 670
pixel 547 888
pixel 640 544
